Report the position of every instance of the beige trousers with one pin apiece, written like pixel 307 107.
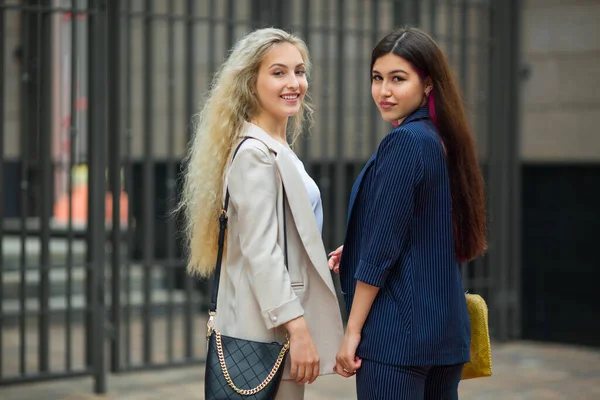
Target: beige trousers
pixel 290 390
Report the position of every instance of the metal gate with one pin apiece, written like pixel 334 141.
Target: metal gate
pixel 97 99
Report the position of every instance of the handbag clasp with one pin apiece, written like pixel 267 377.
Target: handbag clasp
pixel 210 324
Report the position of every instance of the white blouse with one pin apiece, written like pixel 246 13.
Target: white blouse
pixel 314 194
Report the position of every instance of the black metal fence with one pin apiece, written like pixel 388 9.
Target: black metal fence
pixel 95 108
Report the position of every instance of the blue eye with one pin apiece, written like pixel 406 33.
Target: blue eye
pixel 301 72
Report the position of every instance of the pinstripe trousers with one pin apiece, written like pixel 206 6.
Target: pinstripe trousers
pixel 375 381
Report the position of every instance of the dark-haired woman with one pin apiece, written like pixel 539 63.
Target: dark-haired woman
pixel 416 213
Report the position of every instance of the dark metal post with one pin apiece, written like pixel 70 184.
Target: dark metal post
pixel 212 14
pixel 478 269
pixel 433 18
pixel 340 166
pixel 406 13
pixel 189 104
pixel 325 93
pixel 73 135
pixel 229 23
pixel 306 34
pixel 148 182
pixel 362 80
pixel 2 190
pixel 171 181
pixel 45 171
pixel 114 132
pixel 27 81
pixel 128 179
pixel 516 167
pixel 97 129
pixel 450 31
pixel 504 168
pixel 464 48
pixel 373 112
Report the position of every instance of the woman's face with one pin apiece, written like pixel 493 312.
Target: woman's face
pixel 397 88
pixel 281 82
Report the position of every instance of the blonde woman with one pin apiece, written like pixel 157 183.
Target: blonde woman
pixel 260 93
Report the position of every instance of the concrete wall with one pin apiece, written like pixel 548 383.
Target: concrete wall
pixel 561 98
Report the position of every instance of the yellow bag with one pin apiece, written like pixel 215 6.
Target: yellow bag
pixel 481 350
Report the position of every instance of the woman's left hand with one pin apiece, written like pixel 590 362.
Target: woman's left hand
pixel 334 259
pixel 346 360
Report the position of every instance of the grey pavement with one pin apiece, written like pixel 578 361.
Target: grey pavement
pixel 522 370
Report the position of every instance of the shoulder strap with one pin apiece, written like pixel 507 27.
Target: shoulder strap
pixel 223 227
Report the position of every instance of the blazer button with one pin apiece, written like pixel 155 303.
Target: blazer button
pixel 274 319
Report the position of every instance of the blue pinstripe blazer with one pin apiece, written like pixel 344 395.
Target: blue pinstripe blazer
pixel 400 238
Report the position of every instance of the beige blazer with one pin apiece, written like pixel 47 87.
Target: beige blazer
pixel 257 294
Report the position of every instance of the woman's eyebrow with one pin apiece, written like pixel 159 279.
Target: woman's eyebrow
pixel 396 71
pixel 285 66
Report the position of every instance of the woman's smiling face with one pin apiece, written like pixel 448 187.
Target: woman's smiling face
pixel 281 82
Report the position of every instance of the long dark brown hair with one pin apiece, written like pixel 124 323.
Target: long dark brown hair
pixel 447 112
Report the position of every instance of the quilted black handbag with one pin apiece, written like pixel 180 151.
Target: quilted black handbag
pixel 238 368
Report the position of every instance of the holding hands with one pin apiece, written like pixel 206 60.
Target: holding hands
pixel 346 360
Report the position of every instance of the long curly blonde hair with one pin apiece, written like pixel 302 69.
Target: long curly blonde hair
pixel 219 125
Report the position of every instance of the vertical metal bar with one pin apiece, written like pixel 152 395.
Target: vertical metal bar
pixel 416 12
pixel 189 105
pixel 229 23
pixel 97 159
pixel 433 17
pixel 255 8
pixel 128 180
pixel 515 15
pixel 26 82
pixel 325 119
pixel 90 274
pixel 361 79
pixel 306 33
pixel 340 171
pixel 72 146
pixel 495 185
pixel 373 109
pixel 504 165
pixel 189 75
pixel 45 170
pixel 450 39
pixel 2 190
pixel 171 179
pixel 480 270
pixel 114 132
pixel 464 48
pixel 148 181
pixel 212 12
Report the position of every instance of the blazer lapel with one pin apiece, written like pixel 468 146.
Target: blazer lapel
pixel 299 204
pixel 420 113
pixel 357 184
pixel 304 217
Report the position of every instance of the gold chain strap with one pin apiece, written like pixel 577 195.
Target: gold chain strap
pixel 268 379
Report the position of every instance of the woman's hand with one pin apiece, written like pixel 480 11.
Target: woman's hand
pixel 303 352
pixel 334 259
pixel 346 360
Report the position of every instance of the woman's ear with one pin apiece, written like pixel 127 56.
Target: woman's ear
pixel 428 86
